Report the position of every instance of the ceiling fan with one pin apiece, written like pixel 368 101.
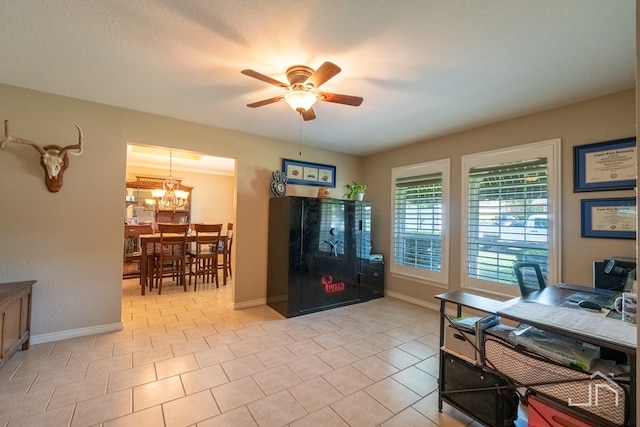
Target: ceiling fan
pixel 302 89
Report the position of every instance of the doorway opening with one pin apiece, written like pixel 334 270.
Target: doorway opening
pixel 205 192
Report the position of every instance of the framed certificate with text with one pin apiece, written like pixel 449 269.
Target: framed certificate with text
pixel 609 218
pixel 609 165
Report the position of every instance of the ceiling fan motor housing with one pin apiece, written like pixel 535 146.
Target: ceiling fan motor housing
pixel 298 74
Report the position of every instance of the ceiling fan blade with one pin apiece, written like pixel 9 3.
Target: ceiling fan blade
pixel 308 114
pixel 265 102
pixel 322 74
pixel 267 79
pixel 340 99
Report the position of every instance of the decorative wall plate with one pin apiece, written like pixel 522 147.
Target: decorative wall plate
pixel 278 183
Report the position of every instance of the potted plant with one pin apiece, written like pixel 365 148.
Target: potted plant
pixel 355 190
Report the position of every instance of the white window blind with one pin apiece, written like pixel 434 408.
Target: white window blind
pixel 507 218
pixel 419 200
pixel 419 222
pixel 511 212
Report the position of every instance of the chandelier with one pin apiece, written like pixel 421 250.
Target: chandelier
pixel 170 197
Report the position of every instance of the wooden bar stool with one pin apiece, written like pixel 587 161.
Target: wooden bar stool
pixel 171 257
pixel 225 253
pixel 132 248
pixel 204 257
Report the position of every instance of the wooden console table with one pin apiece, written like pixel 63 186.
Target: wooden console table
pixel 15 318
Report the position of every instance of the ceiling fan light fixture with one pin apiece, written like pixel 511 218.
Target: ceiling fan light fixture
pixel 300 100
pixel 301 92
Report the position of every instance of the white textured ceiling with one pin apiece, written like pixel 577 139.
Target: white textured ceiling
pixel 424 67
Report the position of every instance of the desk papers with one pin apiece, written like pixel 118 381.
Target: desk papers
pixel 572 320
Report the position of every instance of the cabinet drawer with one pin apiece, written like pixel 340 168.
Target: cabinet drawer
pixel 483 395
pixel 543 413
pixel 460 344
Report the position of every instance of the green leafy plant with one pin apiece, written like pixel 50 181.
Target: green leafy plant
pixel 353 189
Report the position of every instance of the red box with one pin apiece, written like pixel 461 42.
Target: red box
pixel 540 413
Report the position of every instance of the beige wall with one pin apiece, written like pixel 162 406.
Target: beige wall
pixel 71 241
pixel 602 119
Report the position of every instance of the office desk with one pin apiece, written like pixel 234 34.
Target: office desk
pixel 147 240
pixel 542 309
pixel 548 314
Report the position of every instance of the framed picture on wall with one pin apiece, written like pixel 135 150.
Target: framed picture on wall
pixel 609 165
pixel 613 218
pixel 305 173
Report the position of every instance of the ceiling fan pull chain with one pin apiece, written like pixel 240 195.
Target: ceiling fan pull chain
pixel 300 134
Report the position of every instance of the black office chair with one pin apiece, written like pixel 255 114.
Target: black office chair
pixel 529 277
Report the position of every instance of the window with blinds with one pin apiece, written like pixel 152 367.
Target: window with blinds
pixel 419 200
pixel 511 198
pixel 507 218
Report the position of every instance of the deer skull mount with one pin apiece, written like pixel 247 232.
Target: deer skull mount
pixel 53 158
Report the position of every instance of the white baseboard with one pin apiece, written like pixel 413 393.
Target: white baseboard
pixel 74 333
pixel 251 303
pixel 450 310
pixel 412 300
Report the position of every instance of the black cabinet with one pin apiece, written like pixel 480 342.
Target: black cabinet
pixel 375 283
pixel 318 254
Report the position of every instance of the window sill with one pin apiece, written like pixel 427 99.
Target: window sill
pixel 420 280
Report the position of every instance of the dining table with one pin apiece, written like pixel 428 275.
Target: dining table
pixel 147 240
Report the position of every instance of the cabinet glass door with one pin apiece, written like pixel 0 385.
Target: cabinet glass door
pixel 330 275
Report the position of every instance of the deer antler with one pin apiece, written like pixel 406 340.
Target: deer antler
pixel 78 146
pixel 9 138
pixel 53 158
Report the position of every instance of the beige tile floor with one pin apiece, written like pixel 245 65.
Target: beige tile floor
pixel 186 359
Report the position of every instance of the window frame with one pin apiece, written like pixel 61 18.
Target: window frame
pixel 434 278
pixel 550 149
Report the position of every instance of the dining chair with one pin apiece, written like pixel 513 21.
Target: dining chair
pixel 171 255
pixel 225 252
pixel 203 257
pixel 529 276
pixel 132 254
